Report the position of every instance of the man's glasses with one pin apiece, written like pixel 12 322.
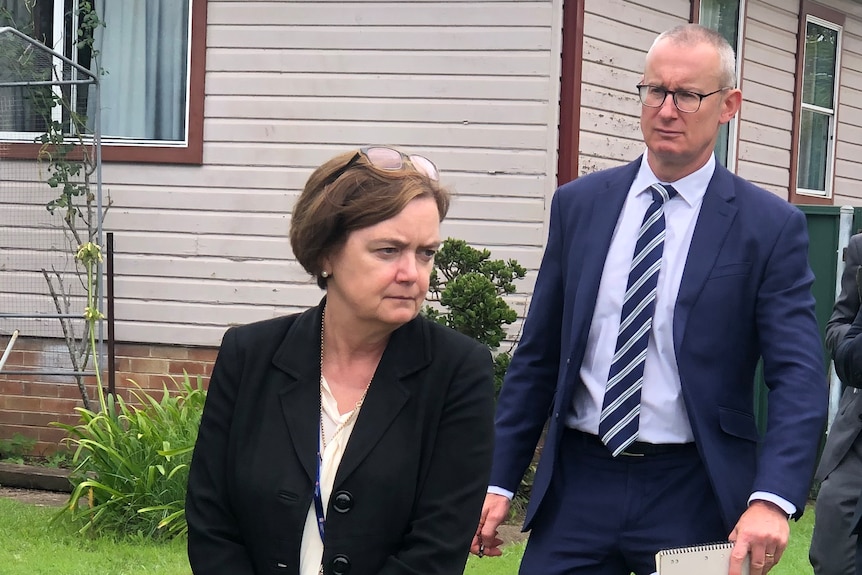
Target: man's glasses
pixel 684 100
pixel 389 159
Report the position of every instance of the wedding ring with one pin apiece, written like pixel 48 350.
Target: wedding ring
pixel 770 555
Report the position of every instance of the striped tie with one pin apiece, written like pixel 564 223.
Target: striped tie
pixel 618 425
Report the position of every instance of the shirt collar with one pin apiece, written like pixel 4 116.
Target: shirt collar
pixel 691 188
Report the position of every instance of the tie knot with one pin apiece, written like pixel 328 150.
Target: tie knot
pixel 662 193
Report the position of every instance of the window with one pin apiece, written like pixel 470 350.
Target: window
pixel 724 16
pixel 816 123
pixel 150 64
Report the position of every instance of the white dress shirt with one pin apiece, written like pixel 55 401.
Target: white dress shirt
pixel 311 548
pixel 663 417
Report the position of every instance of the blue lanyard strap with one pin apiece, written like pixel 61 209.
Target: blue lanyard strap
pixel 318 501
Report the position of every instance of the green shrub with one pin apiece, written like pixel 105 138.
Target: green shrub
pixel 16 448
pixel 131 462
pixel 470 286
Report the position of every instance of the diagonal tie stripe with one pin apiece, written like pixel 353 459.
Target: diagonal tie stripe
pixel 620 417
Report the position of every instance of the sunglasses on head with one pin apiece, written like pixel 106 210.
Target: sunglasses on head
pixel 390 159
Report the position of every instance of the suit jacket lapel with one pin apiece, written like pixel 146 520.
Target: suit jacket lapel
pixel 407 352
pixel 716 216
pixel 299 357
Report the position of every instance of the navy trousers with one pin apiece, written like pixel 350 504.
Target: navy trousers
pixel 609 516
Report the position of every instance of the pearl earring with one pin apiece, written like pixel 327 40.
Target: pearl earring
pixel 324 274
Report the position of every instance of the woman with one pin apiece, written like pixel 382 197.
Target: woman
pixel 388 413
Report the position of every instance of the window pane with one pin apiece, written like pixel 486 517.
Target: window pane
pixel 143 51
pixel 818 78
pixel 722 16
pixel 813 150
pixel 24 108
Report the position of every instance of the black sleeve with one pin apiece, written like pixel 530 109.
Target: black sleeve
pixel 215 545
pixel 847 303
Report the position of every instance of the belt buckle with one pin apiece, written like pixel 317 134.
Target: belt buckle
pixel 627 454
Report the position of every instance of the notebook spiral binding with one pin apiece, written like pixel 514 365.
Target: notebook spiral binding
pixel 698 548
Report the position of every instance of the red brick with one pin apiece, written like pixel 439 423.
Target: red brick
pixel 41 389
pixel 50 435
pixel 10 417
pixel 205 354
pixel 9 431
pixel 21 403
pixel 141 365
pixel 47 405
pixel 70 392
pixel 28 343
pixel 37 419
pixel 11 388
pixel 170 352
pixel 192 368
pixel 131 350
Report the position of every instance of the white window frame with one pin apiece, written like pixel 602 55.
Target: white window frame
pixel 831 113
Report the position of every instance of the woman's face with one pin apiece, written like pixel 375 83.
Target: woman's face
pixel 381 274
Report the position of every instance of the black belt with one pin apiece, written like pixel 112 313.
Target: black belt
pixel 636 449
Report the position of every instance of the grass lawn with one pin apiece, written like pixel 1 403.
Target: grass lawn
pixel 793 562
pixel 30 546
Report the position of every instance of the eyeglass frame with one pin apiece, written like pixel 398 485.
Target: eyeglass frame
pixel 673 94
pixel 363 152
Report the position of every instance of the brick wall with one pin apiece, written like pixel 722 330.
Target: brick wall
pixel 29 403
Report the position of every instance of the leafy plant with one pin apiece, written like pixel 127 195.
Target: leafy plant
pixel 131 462
pixel 470 286
pixel 16 448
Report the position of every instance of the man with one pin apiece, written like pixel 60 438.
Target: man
pixel 833 545
pixel 682 462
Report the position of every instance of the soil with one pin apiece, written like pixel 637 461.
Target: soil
pixel 35 496
pixel 511 533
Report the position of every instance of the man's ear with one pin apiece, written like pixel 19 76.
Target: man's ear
pixel 730 105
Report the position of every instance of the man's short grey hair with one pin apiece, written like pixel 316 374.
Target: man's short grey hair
pixel 692 34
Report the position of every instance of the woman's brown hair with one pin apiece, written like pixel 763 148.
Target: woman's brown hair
pixel 336 202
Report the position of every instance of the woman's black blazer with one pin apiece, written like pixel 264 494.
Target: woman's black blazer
pixel 409 490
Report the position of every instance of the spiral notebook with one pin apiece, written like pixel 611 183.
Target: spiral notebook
pixel 709 559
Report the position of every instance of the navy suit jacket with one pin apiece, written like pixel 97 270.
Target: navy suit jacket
pixel 745 294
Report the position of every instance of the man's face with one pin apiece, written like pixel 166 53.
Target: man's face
pixel 680 143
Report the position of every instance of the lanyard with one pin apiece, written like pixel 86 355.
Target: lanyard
pixel 318 500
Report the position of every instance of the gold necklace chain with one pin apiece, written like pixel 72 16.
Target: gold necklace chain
pixel 356 407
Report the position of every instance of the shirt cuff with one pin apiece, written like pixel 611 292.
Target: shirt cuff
pixel 500 491
pixel 784 504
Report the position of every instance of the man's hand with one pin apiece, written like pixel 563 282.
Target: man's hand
pixel 762 532
pixel 494 512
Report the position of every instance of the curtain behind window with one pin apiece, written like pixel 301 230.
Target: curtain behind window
pixel 17 111
pixel 143 49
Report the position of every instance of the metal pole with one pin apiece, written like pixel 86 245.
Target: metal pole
pixel 109 264
pixel 845 230
pixel 8 349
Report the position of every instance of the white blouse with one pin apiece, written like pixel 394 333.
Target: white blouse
pixel 311 549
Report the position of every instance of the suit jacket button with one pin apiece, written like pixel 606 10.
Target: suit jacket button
pixel 340 565
pixel 342 502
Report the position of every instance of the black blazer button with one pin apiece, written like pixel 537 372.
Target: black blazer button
pixel 342 502
pixel 340 565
